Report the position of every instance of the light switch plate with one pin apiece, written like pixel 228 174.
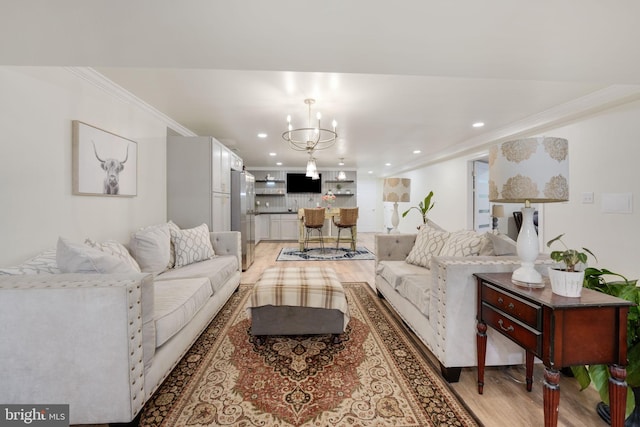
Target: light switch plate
pixel 587 197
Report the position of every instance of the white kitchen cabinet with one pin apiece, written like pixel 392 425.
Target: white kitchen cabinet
pixel 289 227
pixel 282 226
pixel 221 167
pixel 197 171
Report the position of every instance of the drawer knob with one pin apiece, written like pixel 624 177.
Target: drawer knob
pixel 509 329
pixel 500 300
pixel 511 306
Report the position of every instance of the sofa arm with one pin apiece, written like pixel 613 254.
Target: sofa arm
pixel 393 247
pixel 454 299
pixel 227 243
pixel 75 339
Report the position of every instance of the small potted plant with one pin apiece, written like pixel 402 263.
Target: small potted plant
pixel 338 187
pixel 423 207
pixel 568 281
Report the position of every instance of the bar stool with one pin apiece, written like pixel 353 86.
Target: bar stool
pixel 348 218
pixel 313 220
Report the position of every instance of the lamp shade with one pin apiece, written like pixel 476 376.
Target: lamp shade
pixel 497 211
pixel 396 190
pixel 534 170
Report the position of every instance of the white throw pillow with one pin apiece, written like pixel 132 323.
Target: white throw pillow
pixel 172 254
pixel 116 249
pixel 462 243
pixel 79 258
pixel 150 246
pixel 192 245
pixel 503 244
pixel 43 263
pixel 429 243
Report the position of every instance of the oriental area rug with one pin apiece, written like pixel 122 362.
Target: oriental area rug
pixel 330 253
pixel 376 376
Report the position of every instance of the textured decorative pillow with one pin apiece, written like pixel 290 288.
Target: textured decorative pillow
pixel 462 243
pixel 150 246
pixel 116 249
pixel 43 263
pixel 172 254
pixel 429 243
pixel 192 245
pixel 79 258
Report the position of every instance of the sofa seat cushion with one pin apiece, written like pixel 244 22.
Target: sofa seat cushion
pixel 394 271
pixel 175 304
pixel 217 269
pixel 417 290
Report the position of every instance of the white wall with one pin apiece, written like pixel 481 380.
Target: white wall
pixel 36 109
pixel 604 158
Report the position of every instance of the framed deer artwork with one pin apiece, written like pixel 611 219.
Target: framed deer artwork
pixel 104 164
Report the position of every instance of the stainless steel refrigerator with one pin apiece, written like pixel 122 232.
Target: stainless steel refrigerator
pixel 243 197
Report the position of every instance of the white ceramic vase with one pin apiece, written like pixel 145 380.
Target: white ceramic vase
pixel 566 283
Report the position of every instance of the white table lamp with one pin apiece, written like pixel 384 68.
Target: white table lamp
pixel 530 170
pixel 396 190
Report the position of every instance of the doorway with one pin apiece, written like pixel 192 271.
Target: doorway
pixel 481 206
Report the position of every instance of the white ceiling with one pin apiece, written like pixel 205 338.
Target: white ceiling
pixel 397 76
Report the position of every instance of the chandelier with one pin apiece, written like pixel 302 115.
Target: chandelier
pixel 310 138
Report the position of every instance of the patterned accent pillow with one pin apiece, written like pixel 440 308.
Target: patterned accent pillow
pixel 462 243
pixel 43 263
pixel 192 245
pixel 116 249
pixel 429 243
pixel 172 254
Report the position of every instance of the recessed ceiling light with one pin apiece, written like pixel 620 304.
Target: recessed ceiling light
pixel 370 172
pixel 478 124
pixel 417 151
pixel 278 163
pixel 262 135
pixel 387 164
pixel 272 154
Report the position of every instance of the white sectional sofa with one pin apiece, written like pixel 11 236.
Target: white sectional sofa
pixel 103 343
pixel 438 303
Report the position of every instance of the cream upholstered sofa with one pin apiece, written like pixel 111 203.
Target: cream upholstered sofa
pixel 103 342
pixel 437 300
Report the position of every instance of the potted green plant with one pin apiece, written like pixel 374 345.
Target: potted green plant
pixel 568 281
pixel 599 374
pixel 423 207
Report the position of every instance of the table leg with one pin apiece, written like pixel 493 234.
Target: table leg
pixel 617 394
pixel 481 346
pixel 529 370
pixel 551 396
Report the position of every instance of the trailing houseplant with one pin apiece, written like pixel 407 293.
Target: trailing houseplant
pixel 423 207
pixel 599 374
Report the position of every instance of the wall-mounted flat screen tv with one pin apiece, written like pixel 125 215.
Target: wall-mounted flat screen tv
pixel 300 183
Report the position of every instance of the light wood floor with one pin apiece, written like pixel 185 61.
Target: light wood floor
pixel 505 401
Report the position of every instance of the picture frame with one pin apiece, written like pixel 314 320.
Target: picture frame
pixel 104 164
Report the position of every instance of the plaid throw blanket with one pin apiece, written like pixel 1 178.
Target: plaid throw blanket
pixel 316 287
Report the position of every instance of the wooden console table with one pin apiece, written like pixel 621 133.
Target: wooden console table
pixel 560 331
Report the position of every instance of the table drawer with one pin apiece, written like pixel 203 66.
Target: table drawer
pixel 521 334
pixel 524 311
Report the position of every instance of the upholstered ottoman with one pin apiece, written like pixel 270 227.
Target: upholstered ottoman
pixel 298 301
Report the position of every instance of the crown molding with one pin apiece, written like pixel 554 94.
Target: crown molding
pixel 98 80
pixel 555 117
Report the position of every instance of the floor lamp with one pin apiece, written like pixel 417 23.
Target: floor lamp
pixel 396 190
pixel 530 170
